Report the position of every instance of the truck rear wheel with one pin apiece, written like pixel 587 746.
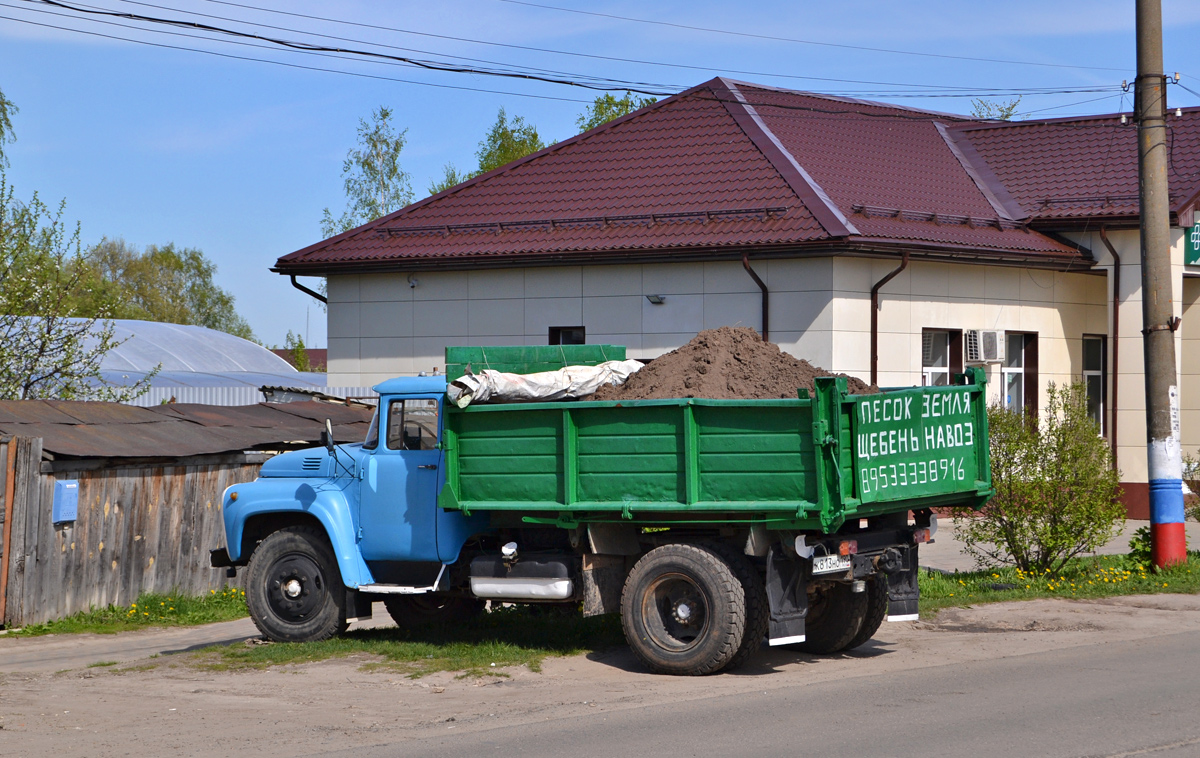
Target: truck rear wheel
pixel 758 611
pixel 415 611
pixel 683 610
pixel 835 614
pixel 876 611
pixel 294 588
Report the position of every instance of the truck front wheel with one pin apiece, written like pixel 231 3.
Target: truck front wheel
pixel 683 610
pixel 293 587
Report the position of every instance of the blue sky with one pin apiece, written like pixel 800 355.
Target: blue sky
pixel 239 158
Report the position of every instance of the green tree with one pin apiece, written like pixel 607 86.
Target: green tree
pixel 995 110
pixel 606 107
pixel 1056 488
pixel 7 110
pixel 161 283
pixel 507 141
pixel 375 184
pixel 451 178
pixel 504 143
pixel 297 352
pixel 48 349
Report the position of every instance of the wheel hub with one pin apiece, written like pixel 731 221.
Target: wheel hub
pixel 295 588
pixel 676 613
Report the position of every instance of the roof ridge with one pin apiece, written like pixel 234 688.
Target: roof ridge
pixel 809 192
pixel 981 173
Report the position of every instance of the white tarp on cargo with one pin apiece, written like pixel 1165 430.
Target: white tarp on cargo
pixel 568 382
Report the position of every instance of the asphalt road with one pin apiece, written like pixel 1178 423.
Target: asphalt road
pixel 1136 698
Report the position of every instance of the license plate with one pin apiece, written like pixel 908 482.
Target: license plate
pixel 829 564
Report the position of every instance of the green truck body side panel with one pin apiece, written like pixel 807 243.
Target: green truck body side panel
pixel 803 463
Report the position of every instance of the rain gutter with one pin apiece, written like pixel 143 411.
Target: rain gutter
pixel 765 294
pixel 875 316
pixel 1116 339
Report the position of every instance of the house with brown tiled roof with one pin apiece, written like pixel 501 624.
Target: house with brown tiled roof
pixel 895 244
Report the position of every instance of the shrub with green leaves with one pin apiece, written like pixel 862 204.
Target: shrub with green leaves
pixel 1056 488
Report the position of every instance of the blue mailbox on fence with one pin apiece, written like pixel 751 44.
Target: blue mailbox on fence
pixel 66 500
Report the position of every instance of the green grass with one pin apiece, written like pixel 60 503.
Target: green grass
pixel 99 664
pixel 518 636
pixel 149 610
pixel 1101 576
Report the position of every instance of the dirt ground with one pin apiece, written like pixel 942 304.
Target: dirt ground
pixel 167 707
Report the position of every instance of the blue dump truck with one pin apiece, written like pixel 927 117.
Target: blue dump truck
pixel 708 525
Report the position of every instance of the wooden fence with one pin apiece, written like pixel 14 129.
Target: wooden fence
pixel 139 528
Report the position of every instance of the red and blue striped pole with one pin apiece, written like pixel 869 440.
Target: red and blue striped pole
pixel 1168 541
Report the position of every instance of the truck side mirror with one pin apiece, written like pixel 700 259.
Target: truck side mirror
pixel 327 437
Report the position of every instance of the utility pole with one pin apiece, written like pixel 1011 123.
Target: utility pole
pixel 1168 543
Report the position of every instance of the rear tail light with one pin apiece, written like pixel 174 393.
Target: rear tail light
pixel 922 535
pixel 848 547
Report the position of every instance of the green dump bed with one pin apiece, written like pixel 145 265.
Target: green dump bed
pixel 808 463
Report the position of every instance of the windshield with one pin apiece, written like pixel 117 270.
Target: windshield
pixel 372 440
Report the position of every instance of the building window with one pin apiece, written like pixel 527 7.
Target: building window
pixel 1095 360
pixel 568 335
pixel 1019 383
pixel 941 356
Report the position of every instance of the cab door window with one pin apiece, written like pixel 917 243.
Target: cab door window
pixel 412 424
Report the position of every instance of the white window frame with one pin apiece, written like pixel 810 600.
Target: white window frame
pixel 1099 373
pixel 928 373
pixel 1006 371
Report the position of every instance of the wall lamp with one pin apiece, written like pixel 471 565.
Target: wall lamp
pixel 656 299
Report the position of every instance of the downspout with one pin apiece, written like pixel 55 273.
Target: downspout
pixel 875 317
pixel 307 291
pixel 1116 339
pixel 761 286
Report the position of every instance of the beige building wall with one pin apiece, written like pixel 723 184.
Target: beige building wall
pixel 386 325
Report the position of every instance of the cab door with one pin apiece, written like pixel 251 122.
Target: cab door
pixel 398 494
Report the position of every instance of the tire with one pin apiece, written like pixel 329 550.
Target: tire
pixel 876 611
pixel 758 611
pixel 683 610
pixel 416 611
pixel 294 588
pixel 835 615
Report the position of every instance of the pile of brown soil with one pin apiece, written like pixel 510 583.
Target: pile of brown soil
pixel 729 363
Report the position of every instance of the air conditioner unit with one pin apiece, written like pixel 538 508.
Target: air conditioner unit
pixel 985 346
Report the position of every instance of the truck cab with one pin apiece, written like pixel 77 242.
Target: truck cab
pixel 361 515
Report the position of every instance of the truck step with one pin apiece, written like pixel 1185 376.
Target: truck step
pixel 403 589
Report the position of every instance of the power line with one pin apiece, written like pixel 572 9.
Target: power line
pixel 792 110
pixel 207 38
pixel 597 83
pixel 295 45
pixel 291 65
pixel 809 42
pixel 361 41
pixel 577 54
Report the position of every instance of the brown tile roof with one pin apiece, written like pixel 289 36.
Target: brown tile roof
pixel 722 167
pixel 1079 167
